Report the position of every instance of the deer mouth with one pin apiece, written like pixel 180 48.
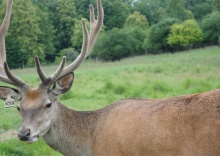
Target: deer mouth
pixel 33 139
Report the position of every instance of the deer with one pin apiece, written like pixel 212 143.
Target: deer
pixel 185 125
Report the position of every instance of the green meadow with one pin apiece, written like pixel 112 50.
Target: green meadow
pixel 98 84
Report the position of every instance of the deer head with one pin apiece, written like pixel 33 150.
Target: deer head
pixel 38 105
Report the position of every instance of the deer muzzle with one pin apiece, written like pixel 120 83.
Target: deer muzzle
pixel 24 135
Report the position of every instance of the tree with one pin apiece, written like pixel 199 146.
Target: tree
pixel 216 5
pixel 70 54
pixel 211 28
pixel 82 8
pixel 186 34
pixel 156 40
pixel 138 34
pixel 161 14
pixel 130 2
pixel 176 9
pixel 148 8
pixel 77 36
pixel 119 43
pixel 136 20
pixel 65 20
pixel 116 12
pixel 46 25
pixel 200 10
pixel 22 39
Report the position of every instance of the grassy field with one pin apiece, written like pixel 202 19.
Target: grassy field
pixel 99 84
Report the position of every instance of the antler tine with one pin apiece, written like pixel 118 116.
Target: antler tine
pixel 82 54
pixel 3 30
pixel 95 25
pixel 5 73
pixel 57 73
pixel 48 81
pixel 40 72
pixel 89 39
pixel 6 21
pixel 15 80
pixel 6 80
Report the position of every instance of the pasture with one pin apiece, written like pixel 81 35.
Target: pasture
pixel 98 84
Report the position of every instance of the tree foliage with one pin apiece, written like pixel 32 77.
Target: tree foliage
pixel 185 34
pixel 200 10
pixel 65 18
pixel 51 28
pixel 136 20
pixel 176 9
pixel 148 8
pixel 211 27
pixel 216 5
pixel 82 8
pixel 119 43
pixel 47 36
pixel 22 40
pixel 156 40
pixel 77 36
pixel 117 12
pixel 70 54
pixel 161 14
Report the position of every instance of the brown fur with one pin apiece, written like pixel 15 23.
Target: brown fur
pixel 32 94
pixel 32 98
pixel 186 125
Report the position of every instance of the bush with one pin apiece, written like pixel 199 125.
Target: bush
pixel 156 40
pixel 119 43
pixel 70 54
pixel 186 34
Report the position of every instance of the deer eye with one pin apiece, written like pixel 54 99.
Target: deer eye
pixel 48 105
pixel 18 109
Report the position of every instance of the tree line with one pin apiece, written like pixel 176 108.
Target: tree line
pixel 52 28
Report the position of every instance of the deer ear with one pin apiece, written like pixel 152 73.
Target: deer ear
pixel 63 84
pixel 14 93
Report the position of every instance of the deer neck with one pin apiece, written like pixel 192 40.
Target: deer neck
pixel 73 129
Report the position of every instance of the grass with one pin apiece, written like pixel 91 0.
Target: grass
pixel 15 148
pixel 99 84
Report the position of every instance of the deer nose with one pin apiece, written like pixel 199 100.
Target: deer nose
pixel 24 135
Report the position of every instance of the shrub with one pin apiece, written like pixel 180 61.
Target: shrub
pixel 185 34
pixel 156 40
pixel 70 54
pixel 119 43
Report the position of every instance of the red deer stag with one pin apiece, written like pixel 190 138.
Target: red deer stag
pixel 186 125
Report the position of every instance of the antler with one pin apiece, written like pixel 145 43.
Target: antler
pixel 5 74
pixel 88 43
pixel 89 40
pixel 48 81
pixel 3 30
pixel 95 26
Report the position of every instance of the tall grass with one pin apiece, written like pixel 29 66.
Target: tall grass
pixel 98 84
